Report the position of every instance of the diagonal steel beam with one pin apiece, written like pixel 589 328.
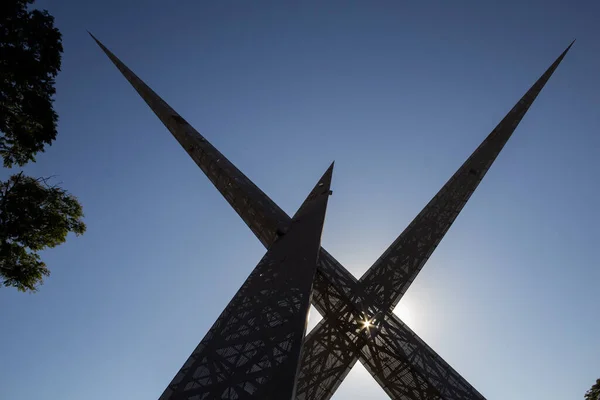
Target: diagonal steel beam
pixel 382 286
pixel 253 349
pixel 258 211
pixel 337 295
pixel 388 279
pixel 264 218
pixel 407 368
pixel 400 361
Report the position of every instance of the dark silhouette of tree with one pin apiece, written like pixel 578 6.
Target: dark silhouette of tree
pixel 33 214
pixel 594 392
pixel 31 52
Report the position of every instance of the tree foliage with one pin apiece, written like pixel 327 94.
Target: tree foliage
pixel 594 392
pixel 33 215
pixel 31 50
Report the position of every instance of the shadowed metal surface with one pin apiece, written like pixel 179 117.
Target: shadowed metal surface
pixel 253 349
pixel 399 360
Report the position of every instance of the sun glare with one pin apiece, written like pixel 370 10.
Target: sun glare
pixel 366 324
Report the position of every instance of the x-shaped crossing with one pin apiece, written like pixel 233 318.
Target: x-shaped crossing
pixel 358 319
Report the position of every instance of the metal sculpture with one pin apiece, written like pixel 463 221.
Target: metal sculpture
pixel 358 321
pixel 253 349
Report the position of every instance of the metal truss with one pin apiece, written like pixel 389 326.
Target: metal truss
pixel 358 322
pixel 253 349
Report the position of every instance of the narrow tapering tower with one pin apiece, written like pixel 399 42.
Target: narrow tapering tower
pixel 253 349
pixel 259 212
pixel 404 366
pixel 389 278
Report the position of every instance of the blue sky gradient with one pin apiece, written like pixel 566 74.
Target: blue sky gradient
pixel 398 94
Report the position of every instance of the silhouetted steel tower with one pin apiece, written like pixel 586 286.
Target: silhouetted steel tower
pixel 253 349
pixel 358 322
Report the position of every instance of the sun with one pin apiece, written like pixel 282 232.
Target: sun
pixel 367 323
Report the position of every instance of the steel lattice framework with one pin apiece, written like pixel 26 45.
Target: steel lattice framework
pixel 405 366
pixel 253 349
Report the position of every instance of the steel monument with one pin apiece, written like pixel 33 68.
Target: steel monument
pixel 358 320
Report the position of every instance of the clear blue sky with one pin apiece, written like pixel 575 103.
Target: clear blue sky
pixel 399 94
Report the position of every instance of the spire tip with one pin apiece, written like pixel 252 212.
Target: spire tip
pixel 94 37
pixel 568 47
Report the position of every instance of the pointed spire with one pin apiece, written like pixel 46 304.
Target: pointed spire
pixel 520 109
pixel 265 219
pixel 253 350
pixel 321 188
pixel 569 47
pixel 387 280
pixel 257 210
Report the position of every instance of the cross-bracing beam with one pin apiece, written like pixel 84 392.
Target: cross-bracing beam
pixel 399 360
pixel 253 349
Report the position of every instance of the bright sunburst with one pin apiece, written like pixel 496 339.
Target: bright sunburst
pixel 367 323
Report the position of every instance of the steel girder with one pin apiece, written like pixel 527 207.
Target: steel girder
pixel 253 349
pixel 399 360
